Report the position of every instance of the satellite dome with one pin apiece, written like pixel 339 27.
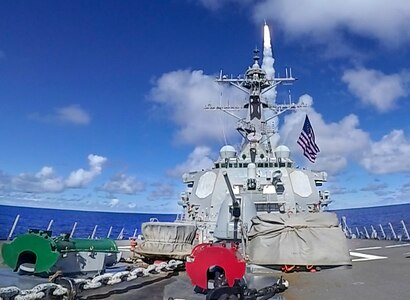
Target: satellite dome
pixel 282 152
pixel 227 151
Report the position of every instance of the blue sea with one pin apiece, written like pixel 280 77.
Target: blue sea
pixel 63 220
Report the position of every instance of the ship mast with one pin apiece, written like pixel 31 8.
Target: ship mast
pixel 254 127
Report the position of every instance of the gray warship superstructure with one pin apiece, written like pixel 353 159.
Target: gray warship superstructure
pixel 256 195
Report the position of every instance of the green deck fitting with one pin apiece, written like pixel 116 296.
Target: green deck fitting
pixel 42 246
pixel 39 248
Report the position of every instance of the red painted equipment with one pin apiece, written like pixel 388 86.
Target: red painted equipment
pixel 205 256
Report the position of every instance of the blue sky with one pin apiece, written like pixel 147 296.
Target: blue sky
pixel 101 101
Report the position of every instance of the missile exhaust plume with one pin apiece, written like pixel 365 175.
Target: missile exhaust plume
pixel 267 64
pixel 268 60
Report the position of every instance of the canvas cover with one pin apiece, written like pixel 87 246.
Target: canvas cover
pixel 166 240
pixel 297 239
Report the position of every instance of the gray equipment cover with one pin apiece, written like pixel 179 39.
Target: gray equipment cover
pixel 297 239
pixel 166 240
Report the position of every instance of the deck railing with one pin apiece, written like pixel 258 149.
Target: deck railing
pixel 92 235
pixel 380 232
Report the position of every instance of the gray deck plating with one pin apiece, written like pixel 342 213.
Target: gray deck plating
pixel 381 270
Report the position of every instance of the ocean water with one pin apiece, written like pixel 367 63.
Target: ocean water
pixel 63 220
pixel 376 216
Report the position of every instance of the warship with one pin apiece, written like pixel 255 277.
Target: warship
pixel 256 196
pixel 254 226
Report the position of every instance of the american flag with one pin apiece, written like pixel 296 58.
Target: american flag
pixel 307 141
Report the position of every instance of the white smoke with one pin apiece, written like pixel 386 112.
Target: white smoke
pixel 267 65
pixel 268 60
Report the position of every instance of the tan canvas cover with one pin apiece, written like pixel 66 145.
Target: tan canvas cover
pixel 297 239
pixel 167 239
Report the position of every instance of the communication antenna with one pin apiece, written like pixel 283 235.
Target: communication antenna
pixel 220 116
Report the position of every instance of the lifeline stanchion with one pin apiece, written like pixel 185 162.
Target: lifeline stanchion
pixel 13 227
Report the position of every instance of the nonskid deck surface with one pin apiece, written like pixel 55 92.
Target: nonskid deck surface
pixel 381 270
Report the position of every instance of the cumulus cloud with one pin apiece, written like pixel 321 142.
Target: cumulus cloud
pixel 47 181
pixel 375 88
pixel 386 22
pixel 123 184
pixel 338 141
pixel 131 205
pixel 184 94
pixel 81 177
pixel 162 191
pixel 389 155
pixel 345 142
pixel 375 187
pixel 72 114
pixel 43 181
pixel 197 160
pixel 114 202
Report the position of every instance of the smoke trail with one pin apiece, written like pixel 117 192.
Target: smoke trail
pixel 268 60
pixel 267 64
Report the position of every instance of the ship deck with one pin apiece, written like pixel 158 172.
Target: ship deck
pixel 380 270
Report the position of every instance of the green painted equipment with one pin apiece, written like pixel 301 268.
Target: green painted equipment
pixel 38 252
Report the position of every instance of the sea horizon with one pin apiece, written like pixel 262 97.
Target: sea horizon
pixel 160 213
pixel 88 210
pixel 127 224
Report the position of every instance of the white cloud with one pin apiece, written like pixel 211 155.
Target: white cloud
pixel 114 202
pixel 389 155
pixel 131 205
pixel 47 181
pixel 376 88
pixel 185 93
pixel 44 181
pixel 197 160
pixel 162 191
pixel 385 21
pixel 81 177
pixel 72 114
pixel 344 142
pixel 123 184
pixel 338 141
